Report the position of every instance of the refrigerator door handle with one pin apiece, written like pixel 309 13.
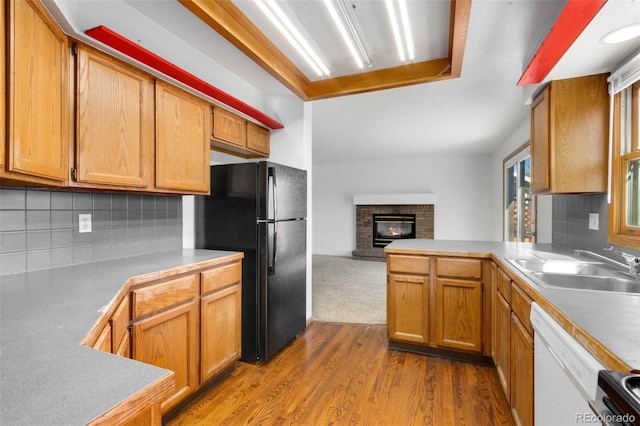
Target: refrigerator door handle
pixel 271 265
pixel 274 191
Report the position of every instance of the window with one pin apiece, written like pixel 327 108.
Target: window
pixel 519 204
pixel 624 210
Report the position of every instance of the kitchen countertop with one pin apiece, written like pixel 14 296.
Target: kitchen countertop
pixel 47 376
pixel 606 323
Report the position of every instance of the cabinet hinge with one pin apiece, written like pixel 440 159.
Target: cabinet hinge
pixel 74 49
pixel 130 329
pixel 74 174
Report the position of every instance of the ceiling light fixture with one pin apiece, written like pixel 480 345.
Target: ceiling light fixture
pixel 280 20
pixel 406 29
pixel 621 34
pixel 350 32
pixel 353 25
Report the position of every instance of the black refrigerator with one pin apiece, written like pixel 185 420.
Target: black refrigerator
pixel 260 209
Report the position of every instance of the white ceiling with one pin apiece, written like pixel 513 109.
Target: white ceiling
pixel 471 114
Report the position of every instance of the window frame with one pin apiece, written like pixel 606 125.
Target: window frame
pixel 619 232
pixel 522 152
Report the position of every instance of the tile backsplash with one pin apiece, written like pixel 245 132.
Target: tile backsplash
pixel 39 227
pixel 570 223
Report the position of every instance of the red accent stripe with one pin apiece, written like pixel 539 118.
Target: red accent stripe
pixel 129 48
pixel 573 19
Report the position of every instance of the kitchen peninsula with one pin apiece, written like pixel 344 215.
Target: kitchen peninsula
pixel 48 376
pixel 606 323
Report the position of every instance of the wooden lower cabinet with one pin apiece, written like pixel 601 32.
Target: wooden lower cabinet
pixel 169 340
pixel 521 373
pixel 408 308
pixel 220 313
pixel 502 351
pixel 459 314
pixel 513 347
pixel 436 303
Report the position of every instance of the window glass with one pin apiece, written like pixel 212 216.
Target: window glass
pixel 519 211
pixel 633 193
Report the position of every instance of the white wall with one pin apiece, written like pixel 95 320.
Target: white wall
pixel 461 185
pixel 515 140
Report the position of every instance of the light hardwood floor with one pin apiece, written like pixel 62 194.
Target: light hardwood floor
pixel 344 374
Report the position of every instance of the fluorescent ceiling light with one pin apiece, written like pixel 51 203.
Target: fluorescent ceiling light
pixel 406 29
pixel 280 20
pixel 345 35
pixel 621 34
pixel 346 9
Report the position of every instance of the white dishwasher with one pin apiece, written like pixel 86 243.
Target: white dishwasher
pixel 566 375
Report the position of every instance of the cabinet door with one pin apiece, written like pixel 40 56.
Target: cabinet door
pixel 220 331
pixel 521 373
pixel 115 131
pixel 459 314
pixel 408 308
pixel 257 138
pixel 502 356
pixel 103 342
pixel 229 127
pixel 169 340
pixel 38 107
pixel 182 140
pixel 540 142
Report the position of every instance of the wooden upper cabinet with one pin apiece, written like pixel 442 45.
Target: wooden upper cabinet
pixel 182 141
pixel 234 135
pixel 258 138
pixel 37 54
pixel 114 122
pixel 569 136
pixel 229 127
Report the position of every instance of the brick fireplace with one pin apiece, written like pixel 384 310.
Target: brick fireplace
pixel 365 230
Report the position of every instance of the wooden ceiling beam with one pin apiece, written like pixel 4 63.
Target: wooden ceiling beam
pixel 227 20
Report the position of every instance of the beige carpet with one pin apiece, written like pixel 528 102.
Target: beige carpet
pixel 347 290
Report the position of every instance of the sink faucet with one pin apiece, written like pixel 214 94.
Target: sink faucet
pixel 632 261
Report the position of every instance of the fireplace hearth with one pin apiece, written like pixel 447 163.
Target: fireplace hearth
pixel 380 224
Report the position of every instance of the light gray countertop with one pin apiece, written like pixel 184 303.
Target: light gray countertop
pixel 612 319
pixel 46 376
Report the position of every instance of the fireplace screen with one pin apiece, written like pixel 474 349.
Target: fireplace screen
pixel 390 227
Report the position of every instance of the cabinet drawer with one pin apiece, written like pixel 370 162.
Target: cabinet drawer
pixel 120 321
pixel 408 264
pixel 163 295
pixel 521 306
pixel 503 284
pixel 223 276
pixel 459 268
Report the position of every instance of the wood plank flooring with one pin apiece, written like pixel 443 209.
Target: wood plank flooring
pixel 344 374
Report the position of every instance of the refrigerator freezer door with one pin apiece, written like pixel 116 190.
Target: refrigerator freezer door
pixel 284 192
pixel 284 288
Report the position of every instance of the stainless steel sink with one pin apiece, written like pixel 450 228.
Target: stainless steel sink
pixel 561 266
pixel 588 282
pixel 578 274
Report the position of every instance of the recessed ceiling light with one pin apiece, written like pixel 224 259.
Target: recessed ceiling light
pixel 621 34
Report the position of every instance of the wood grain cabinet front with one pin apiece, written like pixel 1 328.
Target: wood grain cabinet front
pixel 35 53
pixel 114 123
pixel 221 317
pixel 165 331
pixel 513 347
pixel 182 141
pixel 234 135
pixel 459 305
pixel 569 136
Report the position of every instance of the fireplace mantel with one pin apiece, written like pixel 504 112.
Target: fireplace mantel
pixel 393 199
